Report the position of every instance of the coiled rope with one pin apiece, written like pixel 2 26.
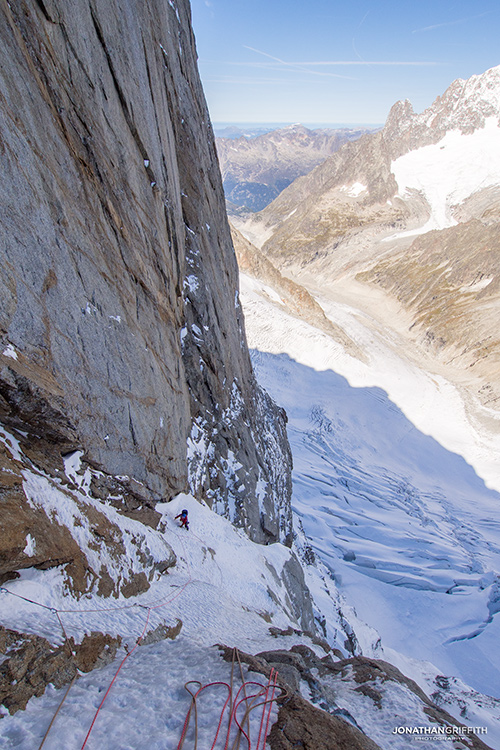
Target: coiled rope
pixel 251 701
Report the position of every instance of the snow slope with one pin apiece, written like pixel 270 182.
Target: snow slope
pixel 448 172
pixel 400 528
pixel 223 589
pixel 407 552
pixel 145 709
pixel 407 527
pixel 216 601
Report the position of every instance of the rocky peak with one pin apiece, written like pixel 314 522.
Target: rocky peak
pixel 400 115
pixel 318 215
pixel 464 106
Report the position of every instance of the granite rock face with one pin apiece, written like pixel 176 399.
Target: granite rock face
pixel 121 333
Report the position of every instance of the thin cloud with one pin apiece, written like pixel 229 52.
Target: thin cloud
pixel 367 62
pixel 364 19
pixel 324 63
pixel 294 66
pixel 451 23
pixel 254 81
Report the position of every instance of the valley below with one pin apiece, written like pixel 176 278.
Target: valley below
pixel 370 292
pixel 396 483
pixel 441 399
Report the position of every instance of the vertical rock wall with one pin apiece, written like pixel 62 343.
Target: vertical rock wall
pixel 121 332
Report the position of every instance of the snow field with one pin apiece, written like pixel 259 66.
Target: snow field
pixel 146 707
pixel 406 527
pixel 442 171
pixel 430 402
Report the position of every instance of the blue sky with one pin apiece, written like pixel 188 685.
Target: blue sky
pixel 324 61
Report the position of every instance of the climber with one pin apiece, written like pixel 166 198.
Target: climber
pixel 183 515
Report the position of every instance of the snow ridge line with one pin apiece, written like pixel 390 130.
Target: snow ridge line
pixel 250 700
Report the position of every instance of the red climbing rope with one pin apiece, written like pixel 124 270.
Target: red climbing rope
pixel 266 691
pixel 249 700
pixel 194 698
pixel 149 608
pixel 264 709
pixel 269 711
pixel 138 642
pixel 252 705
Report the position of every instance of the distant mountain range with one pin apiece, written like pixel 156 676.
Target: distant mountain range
pixel 257 165
pixel 413 209
pixel 223 130
pixel 253 129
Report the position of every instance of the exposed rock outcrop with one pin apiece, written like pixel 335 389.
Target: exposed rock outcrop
pixel 299 723
pixel 121 333
pixel 48 522
pixel 339 716
pixel 30 662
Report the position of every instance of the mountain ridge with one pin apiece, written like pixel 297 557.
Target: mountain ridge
pixel 465 106
pixel 364 212
pixel 255 170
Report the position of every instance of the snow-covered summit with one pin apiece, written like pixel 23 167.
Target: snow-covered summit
pixel 464 106
pixel 479 89
pixel 450 151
